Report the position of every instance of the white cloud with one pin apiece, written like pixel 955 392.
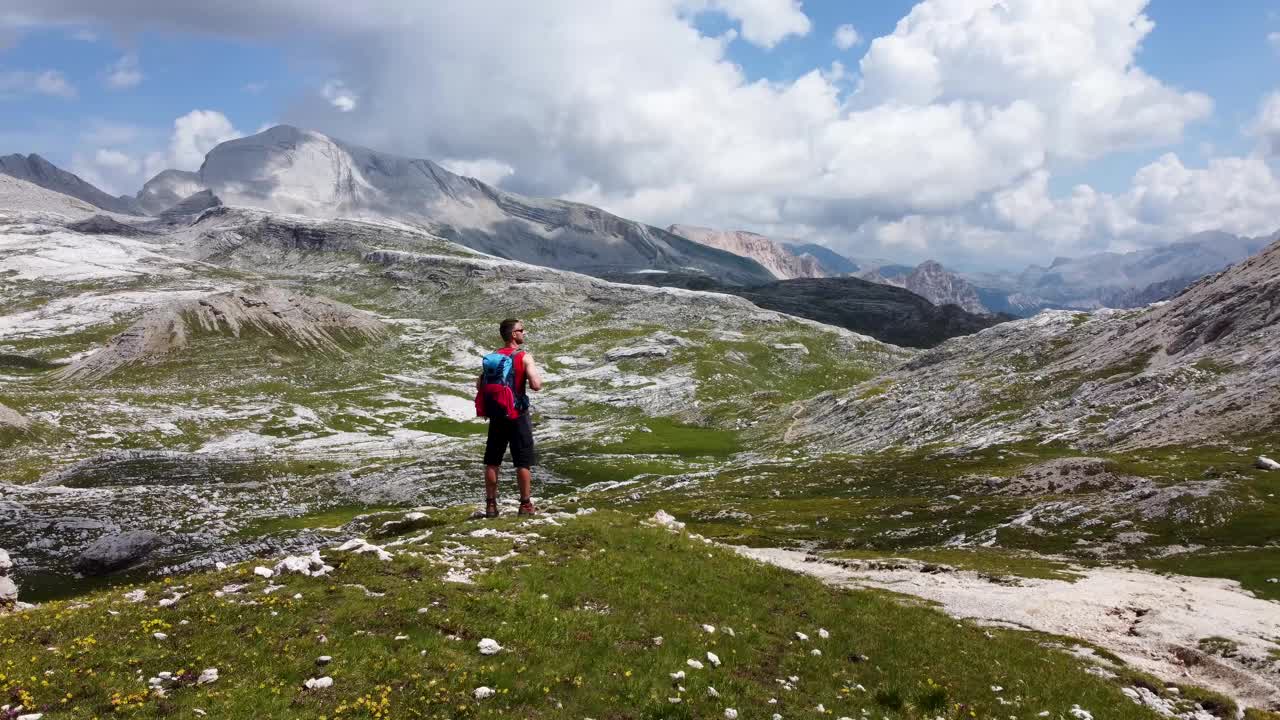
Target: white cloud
pixel 339 96
pixel 846 36
pixel 47 82
pixel 764 22
pixel 961 116
pixel 124 73
pixel 194 135
pixel 486 170
pixel 116 160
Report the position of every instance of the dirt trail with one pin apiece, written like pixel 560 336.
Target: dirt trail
pixel 1153 622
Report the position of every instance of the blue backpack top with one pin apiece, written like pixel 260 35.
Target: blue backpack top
pixel 499 396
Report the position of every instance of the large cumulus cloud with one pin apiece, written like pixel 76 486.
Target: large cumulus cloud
pixel 940 143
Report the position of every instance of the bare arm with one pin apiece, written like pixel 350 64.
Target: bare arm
pixel 532 372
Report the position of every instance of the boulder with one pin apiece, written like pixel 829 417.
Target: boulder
pixel 640 351
pixel 12 419
pixel 1265 463
pixel 112 552
pixel 8 589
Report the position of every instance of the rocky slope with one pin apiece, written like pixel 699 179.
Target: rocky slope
pixel 886 313
pixel 38 171
pixel 167 189
pixel 288 170
pixel 311 323
pixel 776 257
pixel 1202 366
pixel 832 263
pixel 931 281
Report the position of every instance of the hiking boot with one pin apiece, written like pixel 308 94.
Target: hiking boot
pixel 527 508
pixel 491 507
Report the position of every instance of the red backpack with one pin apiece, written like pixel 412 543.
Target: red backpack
pixel 500 385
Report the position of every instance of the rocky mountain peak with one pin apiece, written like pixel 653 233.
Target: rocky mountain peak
pixel 776 257
pixel 38 171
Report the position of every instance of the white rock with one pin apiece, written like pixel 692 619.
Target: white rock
pixel 31 716
pixel 160 636
pixel 319 683
pixel 815 652
pixel 776 716
pixel 297 596
pixel 1081 713
pixel 262 572
pixel 801 636
pixel 136 595
pixel 360 546
pixel 483 693
pixel 6 564
pixel 820 708
pixel 219 565
pixel 677 676
pixel 402 637
pixel 1265 463
pixel 693 664
pixel 324 659
pixel 657 641
pixel 712 692
pixel 310 565
pixel 729 631
pixel 411 517
pixel 822 633
pixel 708 628
pixel 208 675
pixel 713 659
pixel 489 646
pixel 730 714
pixel 665 519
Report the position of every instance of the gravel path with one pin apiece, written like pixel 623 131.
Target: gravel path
pixel 1153 622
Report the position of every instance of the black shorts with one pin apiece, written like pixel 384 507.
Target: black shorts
pixel 517 433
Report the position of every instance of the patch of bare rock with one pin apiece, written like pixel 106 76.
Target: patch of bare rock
pixel 310 322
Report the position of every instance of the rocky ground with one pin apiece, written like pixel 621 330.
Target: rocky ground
pixel 233 384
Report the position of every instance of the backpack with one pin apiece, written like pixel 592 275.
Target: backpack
pixel 498 395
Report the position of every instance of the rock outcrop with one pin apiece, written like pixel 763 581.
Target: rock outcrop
pixel 776 257
pixel 931 281
pixel 310 322
pixel 107 225
pixel 11 419
pixel 168 189
pixel 8 588
pixel 115 552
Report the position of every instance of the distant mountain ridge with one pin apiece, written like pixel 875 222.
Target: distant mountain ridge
pixel 887 313
pixel 1115 279
pixel 38 171
pixel 776 257
pixel 285 169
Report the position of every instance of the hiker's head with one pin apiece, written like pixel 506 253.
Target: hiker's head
pixel 510 329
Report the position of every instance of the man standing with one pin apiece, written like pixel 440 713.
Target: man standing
pixel 505 430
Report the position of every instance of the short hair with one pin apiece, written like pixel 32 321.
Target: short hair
pixel 506 328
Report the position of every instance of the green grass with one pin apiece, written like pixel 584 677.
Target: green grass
pixel 577 620
pixel 1252 568
pixel 448 426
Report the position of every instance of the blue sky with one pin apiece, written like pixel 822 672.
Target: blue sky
pixel 255 76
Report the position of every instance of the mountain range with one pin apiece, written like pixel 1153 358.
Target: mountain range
pixel 285 169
